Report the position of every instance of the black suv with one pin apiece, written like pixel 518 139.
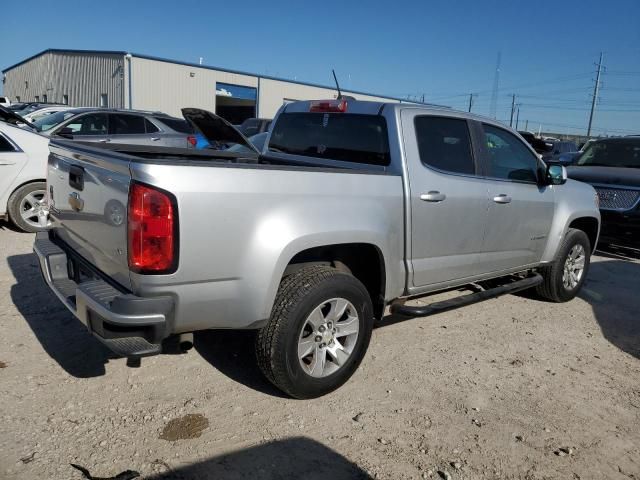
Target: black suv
pixel 612 166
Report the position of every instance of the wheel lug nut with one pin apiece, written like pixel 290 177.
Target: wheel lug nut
pixel 322 328
pixel 323 345
pixel 318 338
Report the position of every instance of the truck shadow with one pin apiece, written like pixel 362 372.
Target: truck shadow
pixel 61 335
pixel 612 292
pixel 291 458
pixel 232 354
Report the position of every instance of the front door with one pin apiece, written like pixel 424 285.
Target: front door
pixel 520 209
pixel 448 201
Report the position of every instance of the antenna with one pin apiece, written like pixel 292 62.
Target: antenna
pixel 337 84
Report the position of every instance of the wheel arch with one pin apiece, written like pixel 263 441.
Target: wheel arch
pixel 590 226
pixel 363 260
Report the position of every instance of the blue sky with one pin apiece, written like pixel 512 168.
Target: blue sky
pixel 444 49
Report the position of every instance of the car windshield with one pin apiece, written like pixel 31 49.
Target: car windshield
pixel 611 154
pixel 256 140
pixel 49 121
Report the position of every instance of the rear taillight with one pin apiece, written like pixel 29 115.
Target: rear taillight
pixel 192 140
pixel 339 106
pixel 152 232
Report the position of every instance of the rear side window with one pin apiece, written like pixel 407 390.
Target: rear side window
pixel 333 136
pixel 176 124
pixel 151 128
pixel 126 124
pixel 5 145
pixel 443 143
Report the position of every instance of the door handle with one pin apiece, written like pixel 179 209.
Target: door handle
pixel 104 140
pixel 502 198
pixel 155 139
pixel 433 196
pixel 7 163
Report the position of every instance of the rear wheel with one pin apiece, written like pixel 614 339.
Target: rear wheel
pixel 318 332
pixel 564 278
pixel 25 204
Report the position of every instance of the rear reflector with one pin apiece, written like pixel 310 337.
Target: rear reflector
pixel 151 230
pixel 339 106
pixel 192 140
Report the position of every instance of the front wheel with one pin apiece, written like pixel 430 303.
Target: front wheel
pixel 318 332
pixel 564 278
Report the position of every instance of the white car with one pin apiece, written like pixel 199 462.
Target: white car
pixel 23 165
pixel 44 112
pixel 5 102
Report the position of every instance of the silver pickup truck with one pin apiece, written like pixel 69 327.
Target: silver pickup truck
pixel 352 207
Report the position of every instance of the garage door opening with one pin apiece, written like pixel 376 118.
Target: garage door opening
pixel 235 103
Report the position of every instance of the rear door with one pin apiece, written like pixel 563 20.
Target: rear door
pixel 130 129
pixel 12 160
pixel 88 194
pixel 520 210
pixel 448 199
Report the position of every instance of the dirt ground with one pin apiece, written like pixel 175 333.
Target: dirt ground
pixel 513 388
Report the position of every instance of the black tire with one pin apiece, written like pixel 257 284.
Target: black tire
pixel 552 288
pixel 15 202
pixel 277 343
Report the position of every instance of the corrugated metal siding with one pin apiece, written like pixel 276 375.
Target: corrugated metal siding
pixel 168 87
pixel 273 94
pixel 83 77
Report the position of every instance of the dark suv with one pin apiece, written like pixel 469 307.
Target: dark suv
pixel 612 166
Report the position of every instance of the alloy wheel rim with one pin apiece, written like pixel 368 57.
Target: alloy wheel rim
pixel 574 267
pixel 328 337
pixel 31 206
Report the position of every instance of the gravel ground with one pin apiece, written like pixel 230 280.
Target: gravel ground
pixel 513 388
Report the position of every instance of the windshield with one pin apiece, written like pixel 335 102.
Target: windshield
pixel 49 121
pixel 611 154
pixel 257 141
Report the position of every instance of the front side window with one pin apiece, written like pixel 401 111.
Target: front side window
pixel 443 143
pixel 90 124
pixel 509 158
pixel 126 124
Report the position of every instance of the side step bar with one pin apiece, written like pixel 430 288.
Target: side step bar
pixel 422 311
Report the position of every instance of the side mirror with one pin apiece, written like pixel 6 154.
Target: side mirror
pixel 65 132
pixel 556 175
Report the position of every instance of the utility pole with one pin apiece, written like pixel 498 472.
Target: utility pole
pixel 471 95
pixel 596 88
pixel 518 116
pixel 513 107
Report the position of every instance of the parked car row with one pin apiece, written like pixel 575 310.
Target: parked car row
pixel 24 143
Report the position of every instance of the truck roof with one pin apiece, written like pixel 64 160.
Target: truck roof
pixel 364 107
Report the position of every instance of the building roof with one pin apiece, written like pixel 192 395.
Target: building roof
pixel 207 67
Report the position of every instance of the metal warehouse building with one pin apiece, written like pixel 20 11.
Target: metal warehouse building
pixel 128 80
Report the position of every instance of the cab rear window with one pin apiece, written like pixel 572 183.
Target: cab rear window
pixel 333 136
